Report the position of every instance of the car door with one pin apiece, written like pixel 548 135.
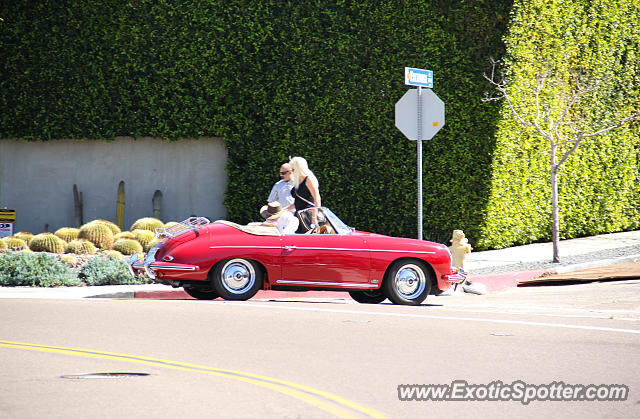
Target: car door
pixel 331 260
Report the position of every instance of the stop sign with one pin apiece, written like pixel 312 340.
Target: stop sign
pixel 432 117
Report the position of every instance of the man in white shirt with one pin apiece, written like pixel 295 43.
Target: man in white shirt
pixel 284 220
pixel 281 191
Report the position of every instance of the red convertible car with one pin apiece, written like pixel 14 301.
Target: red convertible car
pixel 232 261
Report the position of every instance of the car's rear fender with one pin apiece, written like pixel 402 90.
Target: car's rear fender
pixel 265 272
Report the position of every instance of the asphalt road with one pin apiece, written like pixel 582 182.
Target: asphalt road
pixel 320 358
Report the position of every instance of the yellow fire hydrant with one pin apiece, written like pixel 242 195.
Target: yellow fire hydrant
pixel 459 248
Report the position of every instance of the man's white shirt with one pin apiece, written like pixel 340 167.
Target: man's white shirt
pixel 281 192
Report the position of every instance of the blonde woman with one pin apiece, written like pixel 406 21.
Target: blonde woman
pixel 305 191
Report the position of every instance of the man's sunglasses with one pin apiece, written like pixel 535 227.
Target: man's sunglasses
pixel 284 173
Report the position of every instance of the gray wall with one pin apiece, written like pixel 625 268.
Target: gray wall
pixel 37 178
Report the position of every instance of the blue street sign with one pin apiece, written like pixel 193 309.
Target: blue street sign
pixel 418 77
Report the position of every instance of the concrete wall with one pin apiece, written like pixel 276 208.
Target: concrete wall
pixel 37 178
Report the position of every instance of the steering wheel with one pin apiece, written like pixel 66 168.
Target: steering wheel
pixel 319 230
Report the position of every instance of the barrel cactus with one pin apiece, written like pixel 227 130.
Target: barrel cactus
pixel 113 254
pixel 47 242
pixel 69 259
pixel 14 243
pixel 67 233
pixel 147 223
pixel 125 235
pixel 151 244
pixel 24 235
pixel 127 246
pixel 112 226
pixel 145 237
pixel 98 234
pixel 81 247
pixel 3 246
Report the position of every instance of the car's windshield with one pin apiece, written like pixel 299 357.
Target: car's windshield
pixel 322 217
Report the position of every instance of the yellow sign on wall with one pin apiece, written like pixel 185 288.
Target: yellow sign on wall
pixel 7 215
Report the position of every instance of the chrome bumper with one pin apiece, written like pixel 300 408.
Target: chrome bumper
pixel 457 275
pixel 150 266
pixel 136 264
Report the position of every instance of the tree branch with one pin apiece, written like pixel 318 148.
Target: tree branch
pixel 566 155
pixel 635 115
pixel 500 87
pixel 583 135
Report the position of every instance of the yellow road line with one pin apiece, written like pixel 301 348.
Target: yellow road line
pixel 331 403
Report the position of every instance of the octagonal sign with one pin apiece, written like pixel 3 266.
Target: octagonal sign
pixel 407 114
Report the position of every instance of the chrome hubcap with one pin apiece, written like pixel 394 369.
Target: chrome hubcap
pixel 238 276
pixel 410 281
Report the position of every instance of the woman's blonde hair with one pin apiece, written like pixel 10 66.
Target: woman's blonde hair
pixel 301 170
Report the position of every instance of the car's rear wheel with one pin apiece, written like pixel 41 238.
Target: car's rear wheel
pixel 236 279
pixel 408 282
pixel 201 293
pixel 368 296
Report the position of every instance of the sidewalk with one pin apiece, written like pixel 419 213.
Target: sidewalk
pixel 617 255
pixel 504 268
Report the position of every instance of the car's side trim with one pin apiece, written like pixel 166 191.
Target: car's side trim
pixel 346 249
pixel 327 284
pixel 245 247
pixel 342 249
pixel 173 268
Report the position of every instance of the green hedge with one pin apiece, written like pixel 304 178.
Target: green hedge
pixel 316 79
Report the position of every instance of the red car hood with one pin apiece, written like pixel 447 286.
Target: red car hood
pixel 401 243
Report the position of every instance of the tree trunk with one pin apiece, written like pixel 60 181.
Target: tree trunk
pixel 555 235
pixel 556 219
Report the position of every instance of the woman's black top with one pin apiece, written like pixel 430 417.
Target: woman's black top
pixel 300 194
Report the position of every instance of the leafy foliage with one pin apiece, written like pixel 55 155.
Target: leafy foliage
pixel 35 270
pixel 107 271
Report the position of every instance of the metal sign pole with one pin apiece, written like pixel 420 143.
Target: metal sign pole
pixel 406 117
pixel 419 162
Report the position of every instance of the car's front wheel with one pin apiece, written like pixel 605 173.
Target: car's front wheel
pixel 408 282
pixel 368 296
pixel 236 279
pixel 201 293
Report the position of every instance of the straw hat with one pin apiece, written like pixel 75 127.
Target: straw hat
pixel 272 210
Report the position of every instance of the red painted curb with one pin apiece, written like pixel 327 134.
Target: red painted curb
pixel 179 294
pixel 497 282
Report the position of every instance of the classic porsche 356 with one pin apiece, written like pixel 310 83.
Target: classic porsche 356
pixel 232 261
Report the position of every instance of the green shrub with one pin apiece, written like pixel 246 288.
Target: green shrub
pixel 107 271
pixel 35 270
